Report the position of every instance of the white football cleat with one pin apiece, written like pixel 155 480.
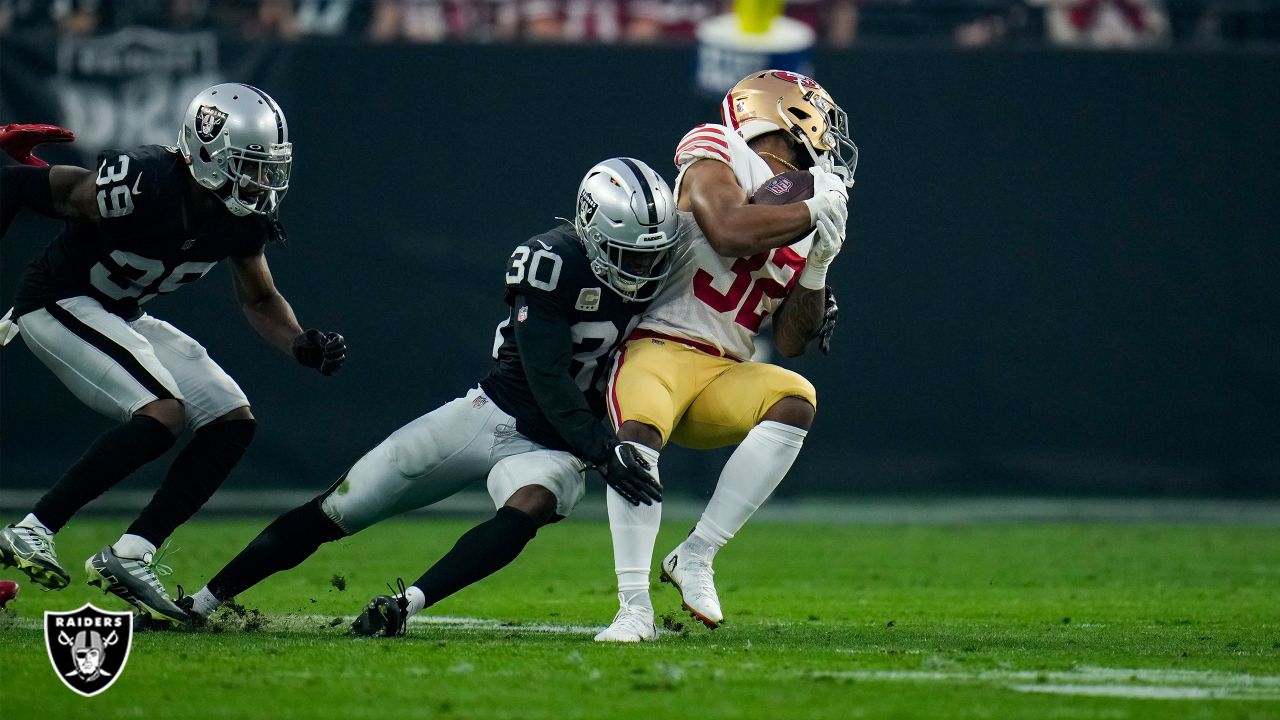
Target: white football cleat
pixel 690 572
pixel 632 624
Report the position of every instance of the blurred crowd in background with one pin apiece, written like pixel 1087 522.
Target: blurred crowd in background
pixel 838 23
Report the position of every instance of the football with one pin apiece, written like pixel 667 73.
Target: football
pixel 789 187
pixel 785 188
pixel 8 591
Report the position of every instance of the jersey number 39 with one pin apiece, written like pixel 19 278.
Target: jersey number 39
pixel 117 201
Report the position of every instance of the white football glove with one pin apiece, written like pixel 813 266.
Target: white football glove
pixel 828 239
pixel 830 197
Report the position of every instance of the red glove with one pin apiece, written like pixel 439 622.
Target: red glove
pixel 18 140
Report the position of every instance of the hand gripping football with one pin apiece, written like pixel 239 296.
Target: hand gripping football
pixel 789 187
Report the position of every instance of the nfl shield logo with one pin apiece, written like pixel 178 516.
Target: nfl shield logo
pixel 523 314
pixel 779 186
pixel 88 647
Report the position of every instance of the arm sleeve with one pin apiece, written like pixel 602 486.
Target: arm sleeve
pixel 546 349
pixel 24 186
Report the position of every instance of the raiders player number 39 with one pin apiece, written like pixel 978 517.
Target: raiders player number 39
pixel 532 426
pixel 148 221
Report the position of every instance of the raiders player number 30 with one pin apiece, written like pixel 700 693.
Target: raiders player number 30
pixel 529 430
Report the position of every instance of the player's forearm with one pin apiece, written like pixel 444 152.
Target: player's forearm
pixel 546 349
pixel 22 186
pixel 748 230
pixel 272 318
pixel 798 320
pixel 567 411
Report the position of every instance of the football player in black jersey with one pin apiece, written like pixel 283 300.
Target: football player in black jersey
pixel 530 429
pixel 149 220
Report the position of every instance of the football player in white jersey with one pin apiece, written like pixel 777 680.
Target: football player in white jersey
pixel 685 374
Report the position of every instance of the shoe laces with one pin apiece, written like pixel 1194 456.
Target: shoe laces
pixel 39 540
pixel 398 593
pixel 700 573
pixel 154 567
pixel 627 611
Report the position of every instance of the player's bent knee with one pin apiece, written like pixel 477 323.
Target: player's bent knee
pixel 792 410
pixel 168 412
pixel 643 433
pixel 240 413
pixel 535 501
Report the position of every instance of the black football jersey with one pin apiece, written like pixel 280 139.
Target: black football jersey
pixel 146 243
pixel 549 279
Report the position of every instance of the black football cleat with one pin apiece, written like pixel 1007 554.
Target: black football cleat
pixel 385 615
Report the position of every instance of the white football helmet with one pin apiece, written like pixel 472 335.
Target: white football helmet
pixel 626 219
pixel 773 100
pixel 236 143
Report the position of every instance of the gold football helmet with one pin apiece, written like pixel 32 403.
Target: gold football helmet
pixel 773 100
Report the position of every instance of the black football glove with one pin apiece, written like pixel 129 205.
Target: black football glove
pixel 828 327
pixel 627 472
pixel 325 351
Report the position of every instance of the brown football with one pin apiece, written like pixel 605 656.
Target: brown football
pixel 785 188
pixel 789 187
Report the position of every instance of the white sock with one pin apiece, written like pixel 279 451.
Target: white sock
pixel 751 475
pixel 417 600
pixel 204 602
pixel 634 529
pixel 33 522
pixel 135 547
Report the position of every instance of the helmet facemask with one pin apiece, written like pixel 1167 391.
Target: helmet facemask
pixel 628 269
pixel 259 178
pixel 839 155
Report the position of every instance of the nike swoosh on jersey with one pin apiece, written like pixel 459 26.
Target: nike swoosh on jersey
pixel 135 184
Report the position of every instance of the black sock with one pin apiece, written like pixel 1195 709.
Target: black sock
pixel 195 475
pixel 480 552
pixel 111 458
pixel 286 542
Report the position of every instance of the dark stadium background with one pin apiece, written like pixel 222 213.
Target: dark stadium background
pixel 1061 275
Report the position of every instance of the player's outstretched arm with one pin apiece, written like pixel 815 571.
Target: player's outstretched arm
pixel 63 192
pixel 734 227
pixel 272 317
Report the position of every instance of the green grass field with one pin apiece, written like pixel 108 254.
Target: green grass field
pixel 976 621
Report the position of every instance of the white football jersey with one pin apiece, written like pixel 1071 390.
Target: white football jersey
pixel 718 301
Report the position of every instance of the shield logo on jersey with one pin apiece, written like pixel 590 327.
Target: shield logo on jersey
pixel 88 647
pixel 588 300
pixel 209 122
pixel 523 314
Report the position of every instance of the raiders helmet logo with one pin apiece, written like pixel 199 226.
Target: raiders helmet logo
pixel 209 122
pixel 587 207
pixel 88 647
